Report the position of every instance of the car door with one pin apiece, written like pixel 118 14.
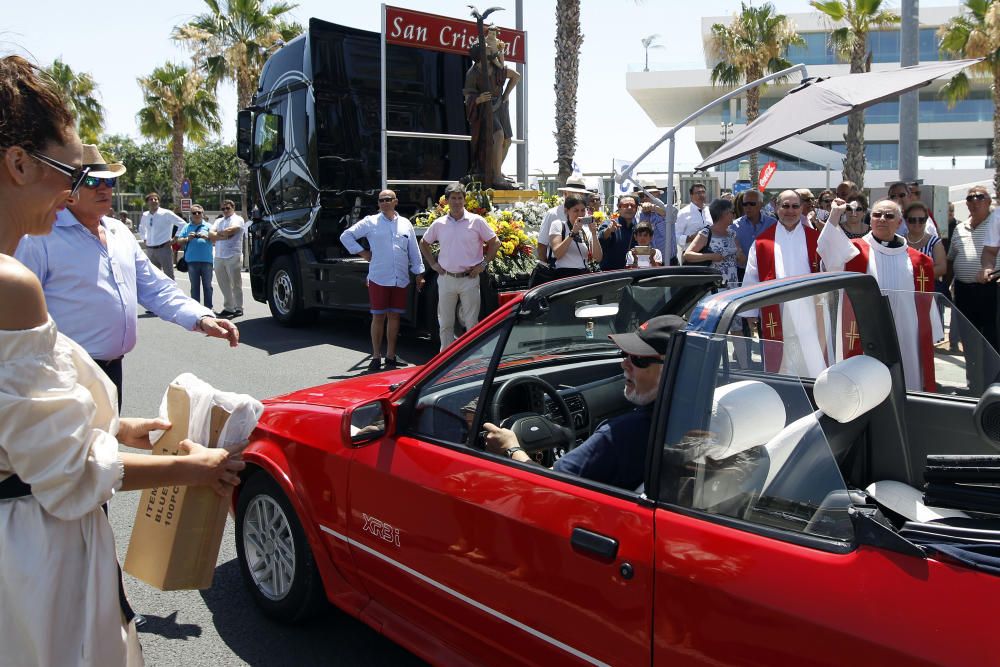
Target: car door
pixel 506 563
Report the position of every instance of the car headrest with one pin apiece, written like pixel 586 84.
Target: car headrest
pixel 745 414
pixel 852 387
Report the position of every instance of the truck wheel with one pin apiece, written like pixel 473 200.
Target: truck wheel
pixel 274 555
pixel 284 293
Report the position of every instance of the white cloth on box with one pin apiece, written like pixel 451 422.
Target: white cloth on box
pixel 58 569
pixel 244 412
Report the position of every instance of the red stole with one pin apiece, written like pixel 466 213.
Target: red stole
pixel 923 285
pixel 770 316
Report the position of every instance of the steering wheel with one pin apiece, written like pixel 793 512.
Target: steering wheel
pixel 535 432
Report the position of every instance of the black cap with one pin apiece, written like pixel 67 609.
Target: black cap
pixel 652 337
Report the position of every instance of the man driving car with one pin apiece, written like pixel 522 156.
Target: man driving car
pixel 615 453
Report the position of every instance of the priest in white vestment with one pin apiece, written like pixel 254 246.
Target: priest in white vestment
pixel 900 271
pixel 784 250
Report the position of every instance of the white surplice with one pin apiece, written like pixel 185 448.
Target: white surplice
pixel 802 351
pixel 893 270
pixel 58 569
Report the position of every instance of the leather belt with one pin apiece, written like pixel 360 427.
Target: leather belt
pixel 457 275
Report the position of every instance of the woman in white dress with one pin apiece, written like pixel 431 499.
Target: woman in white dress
pixel 59 425
pixel 574 242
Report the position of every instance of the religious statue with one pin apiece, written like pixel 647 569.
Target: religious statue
pixel 488 85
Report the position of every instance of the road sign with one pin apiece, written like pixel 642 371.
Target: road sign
pixel 185 205
pixel 186 188
pixel 740 186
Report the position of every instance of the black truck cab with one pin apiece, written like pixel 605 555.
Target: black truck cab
pixel 312 141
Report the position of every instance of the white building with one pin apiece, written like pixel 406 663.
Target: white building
pixel 955 147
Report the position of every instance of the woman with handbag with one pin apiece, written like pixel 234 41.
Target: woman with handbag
pixel 715 245
pixel 574 243
pixel 193 239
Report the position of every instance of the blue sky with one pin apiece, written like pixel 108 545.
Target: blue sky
pixel 117 41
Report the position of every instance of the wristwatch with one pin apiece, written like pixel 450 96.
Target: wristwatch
pixel 510 452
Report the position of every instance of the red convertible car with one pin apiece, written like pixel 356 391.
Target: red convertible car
pixel 780 519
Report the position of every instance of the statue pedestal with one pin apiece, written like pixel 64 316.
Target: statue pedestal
pixel 504 198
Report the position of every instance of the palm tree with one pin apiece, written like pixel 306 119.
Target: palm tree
pixel 80 91
pixel 850 42
pixel 178 105
pixel 753 45
pixel 569 37
pixel 976 34
pixel 647 44
pixel 232 41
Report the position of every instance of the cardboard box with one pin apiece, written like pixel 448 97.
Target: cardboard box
pixel 178 530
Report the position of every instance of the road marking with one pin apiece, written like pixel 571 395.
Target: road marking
pixel 465 598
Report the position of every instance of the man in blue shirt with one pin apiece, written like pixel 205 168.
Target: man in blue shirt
pixel 615 234
pixel 615 454
pixel 392 256
pixel 753 222
pixel 94 274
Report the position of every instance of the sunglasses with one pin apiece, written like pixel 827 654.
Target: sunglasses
pixel 898 195
pixel 791 206
pixel 93 182
pixel 879 214
pixel 383 200
pixel 979 196
pixel 76 174
pixel 227 208
pixel 751 203
pixel 197 213
pixel 916 221
pixel 641 362
pixel 855 209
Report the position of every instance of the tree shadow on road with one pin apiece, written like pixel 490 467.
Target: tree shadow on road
pixel 333 638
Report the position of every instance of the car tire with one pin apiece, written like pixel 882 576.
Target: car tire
pixel 275 559
pixel 284 293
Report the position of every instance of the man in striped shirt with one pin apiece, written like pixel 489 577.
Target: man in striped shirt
pixel 971 258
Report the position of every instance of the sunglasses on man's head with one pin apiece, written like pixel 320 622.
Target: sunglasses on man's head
pixel 879 214
pixel 791 206
pixel 641 362
pixel 979 196
pixel 76 174
pixel 93 182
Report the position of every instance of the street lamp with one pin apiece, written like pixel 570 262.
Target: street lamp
pixel 725 131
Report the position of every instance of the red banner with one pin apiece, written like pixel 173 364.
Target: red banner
pixel 442 33
pixel 766 173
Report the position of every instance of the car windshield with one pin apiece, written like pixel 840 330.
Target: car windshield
pixel 748 445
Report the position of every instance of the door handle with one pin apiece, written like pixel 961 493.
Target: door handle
pixel 595 544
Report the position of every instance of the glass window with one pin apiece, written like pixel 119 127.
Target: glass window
pixel 748 446
pixel 446 404
pixel 267 137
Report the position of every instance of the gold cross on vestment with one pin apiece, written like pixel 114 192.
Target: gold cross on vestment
pixel 852 335
pixel 922 279
pixel 771 324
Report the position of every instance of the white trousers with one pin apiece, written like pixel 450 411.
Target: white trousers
pixel 227 273
pixel 452 292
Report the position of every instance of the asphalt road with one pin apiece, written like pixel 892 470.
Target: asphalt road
pixel 221 626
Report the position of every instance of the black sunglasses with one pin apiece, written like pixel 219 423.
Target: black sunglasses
pixel 979 196
pixel 641 362
pixel 383 200
pixel 916 221
pixel 879 214
pixel 791 206
pixel 751 203
pixel 93 182
pixel 76 174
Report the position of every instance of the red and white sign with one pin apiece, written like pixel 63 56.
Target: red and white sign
pixel 443 33
pixel 766 173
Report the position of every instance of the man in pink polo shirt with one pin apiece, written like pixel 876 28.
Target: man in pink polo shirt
pixel 461 236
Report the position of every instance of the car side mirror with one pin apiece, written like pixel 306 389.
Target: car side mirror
pixel 367 422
